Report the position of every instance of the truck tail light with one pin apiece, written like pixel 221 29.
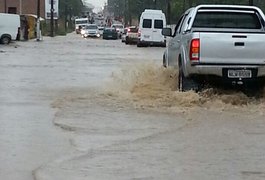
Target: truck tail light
pixel 195 50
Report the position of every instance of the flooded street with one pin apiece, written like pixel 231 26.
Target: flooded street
pixel 92 109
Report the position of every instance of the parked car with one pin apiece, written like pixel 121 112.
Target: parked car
pixel 131 35
pixel 110 33
pixel 90 30
pixel 221 44
pixel 150 28
pixel 119 28
pixel 9 27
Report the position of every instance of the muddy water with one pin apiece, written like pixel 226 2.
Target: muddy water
pixel 102 110
pixel 138 126
pixel 152 86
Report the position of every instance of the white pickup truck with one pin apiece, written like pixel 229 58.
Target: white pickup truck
pixel 218 44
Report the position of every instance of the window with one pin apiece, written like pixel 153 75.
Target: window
pixel 178 25
pixel 237 20
pixel 118 26
pixel 12 10
pixel 158 24
pixel 92 27
pixel 147 23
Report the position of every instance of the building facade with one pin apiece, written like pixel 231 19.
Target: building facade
pixel 22 7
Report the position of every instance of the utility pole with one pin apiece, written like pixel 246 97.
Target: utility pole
pixel 20 7
pixel 38 20
pixel 52 19
pixel 251 3
pixel 65 17
pixel 168 9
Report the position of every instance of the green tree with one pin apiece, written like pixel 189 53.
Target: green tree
pixel 173 8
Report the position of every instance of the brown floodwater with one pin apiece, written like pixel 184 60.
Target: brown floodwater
pixel 150 86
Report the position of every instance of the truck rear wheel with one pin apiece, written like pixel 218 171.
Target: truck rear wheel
pixel 164 61
pixel 185 83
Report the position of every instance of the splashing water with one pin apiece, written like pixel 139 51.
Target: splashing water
pixel 152 86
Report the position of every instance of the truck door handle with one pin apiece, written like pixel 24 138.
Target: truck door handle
pixel 239 44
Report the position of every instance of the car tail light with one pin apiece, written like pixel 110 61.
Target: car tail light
pixel 195 50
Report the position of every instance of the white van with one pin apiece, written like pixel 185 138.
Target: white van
pixel 80 23
pixel 9 27
pixel 150 28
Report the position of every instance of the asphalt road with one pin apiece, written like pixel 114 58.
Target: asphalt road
pixel 79 109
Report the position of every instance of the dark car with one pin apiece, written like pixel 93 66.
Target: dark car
pixel 110 33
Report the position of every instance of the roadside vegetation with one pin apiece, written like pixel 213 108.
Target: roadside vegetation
pixel 132 9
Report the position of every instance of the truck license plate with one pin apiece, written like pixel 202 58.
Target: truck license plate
pixel 239 74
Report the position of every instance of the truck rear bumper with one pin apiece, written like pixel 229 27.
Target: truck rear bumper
pixel 218 70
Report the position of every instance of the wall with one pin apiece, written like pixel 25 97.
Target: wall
pixel 28 6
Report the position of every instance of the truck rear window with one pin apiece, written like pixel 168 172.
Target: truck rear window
pixel 237 20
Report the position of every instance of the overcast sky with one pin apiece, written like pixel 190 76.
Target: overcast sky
pixel 96 3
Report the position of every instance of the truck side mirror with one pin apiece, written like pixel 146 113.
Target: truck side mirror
pixel 167 32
